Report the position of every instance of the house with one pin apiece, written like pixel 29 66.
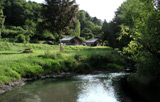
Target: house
pixel 72 40
pixel 93 42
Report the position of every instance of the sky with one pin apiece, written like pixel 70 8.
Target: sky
pixel 102 9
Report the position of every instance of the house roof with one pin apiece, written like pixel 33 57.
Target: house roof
pixel 68 38
pixel 91 40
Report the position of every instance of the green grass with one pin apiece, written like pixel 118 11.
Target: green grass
pixel 46 59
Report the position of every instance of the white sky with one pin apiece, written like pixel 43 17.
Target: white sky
pixel 102 9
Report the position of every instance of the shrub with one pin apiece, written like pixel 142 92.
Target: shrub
pixel 20 38
pixel 113 66
pixel 83 68
pixel 5 79
pixel 49 54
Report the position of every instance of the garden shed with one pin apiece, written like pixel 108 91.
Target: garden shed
pixel 72 40
pixel 93 42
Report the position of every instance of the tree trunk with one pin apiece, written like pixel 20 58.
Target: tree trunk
pixel 61 48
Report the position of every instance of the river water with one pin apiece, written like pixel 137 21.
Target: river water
pixel 80 88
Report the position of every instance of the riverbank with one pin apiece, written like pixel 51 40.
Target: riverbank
pixel 47 60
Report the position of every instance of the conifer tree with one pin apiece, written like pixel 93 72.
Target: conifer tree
pixel 59 15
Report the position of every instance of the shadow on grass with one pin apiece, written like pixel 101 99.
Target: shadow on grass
pixel 11 53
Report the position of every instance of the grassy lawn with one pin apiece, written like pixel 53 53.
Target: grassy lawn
pixel 46 59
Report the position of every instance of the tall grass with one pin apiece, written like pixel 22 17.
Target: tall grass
pixel 47 59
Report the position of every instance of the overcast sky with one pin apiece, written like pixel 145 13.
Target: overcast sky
pixel 102 9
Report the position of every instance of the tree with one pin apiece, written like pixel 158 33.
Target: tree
pixel 2 18
pixel 97 21
pixel 14 11
pixel 98 31
pixel 32 11
pixel 58 15
pixel 142 23
pixel 76 30
pixel 30 28
pixel 87 33
pixel 87 24
pixel 109 33
pixel 82 16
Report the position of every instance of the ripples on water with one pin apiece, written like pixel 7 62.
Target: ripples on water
pixel 83 88
pixel 95 89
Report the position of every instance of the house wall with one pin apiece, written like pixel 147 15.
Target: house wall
pixel 97 43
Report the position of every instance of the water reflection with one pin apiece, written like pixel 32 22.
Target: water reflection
pixel 94 89
pixel 83 88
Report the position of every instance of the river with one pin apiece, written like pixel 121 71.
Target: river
pixel 79 88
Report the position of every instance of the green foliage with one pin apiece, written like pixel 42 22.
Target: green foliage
pixel 91 27
pixel 18 11
pixel 87 33
pixel 2 18
pixel 59 15
pixel 27 68
pixel 49 54
pixel 21 14
pixel 77 30
pixel 30 28
pixel 106 61
pixel 109 33
pixel 141 23
pixel 20 38
pixel 1 4
pixel 75 59
pixel 7 75
pixel 47 35
pixel 30 18
pixel 97 21
pixel 27 51
pixel 14 11
pixel 12 31
pixel 82 16
pixel 97 31
pixel 88 24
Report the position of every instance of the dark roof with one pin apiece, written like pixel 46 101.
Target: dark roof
pixel 68 38
pixel 91 40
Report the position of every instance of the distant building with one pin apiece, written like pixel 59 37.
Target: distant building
pixel 72 40
pixel 93 42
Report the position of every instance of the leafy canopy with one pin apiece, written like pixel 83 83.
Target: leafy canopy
pixel 58 15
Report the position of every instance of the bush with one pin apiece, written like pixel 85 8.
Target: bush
pixel 20 38
pixel 113 66
pixel 7 75
pixel 12 31
pixel 49 54
pixel 83 68
pixel 80 58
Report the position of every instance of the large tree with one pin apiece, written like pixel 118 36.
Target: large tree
pixel 14 11
pixel 2 17
pixel 141 21
pixel 59 15
pixel 1 21
pixel 76 29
